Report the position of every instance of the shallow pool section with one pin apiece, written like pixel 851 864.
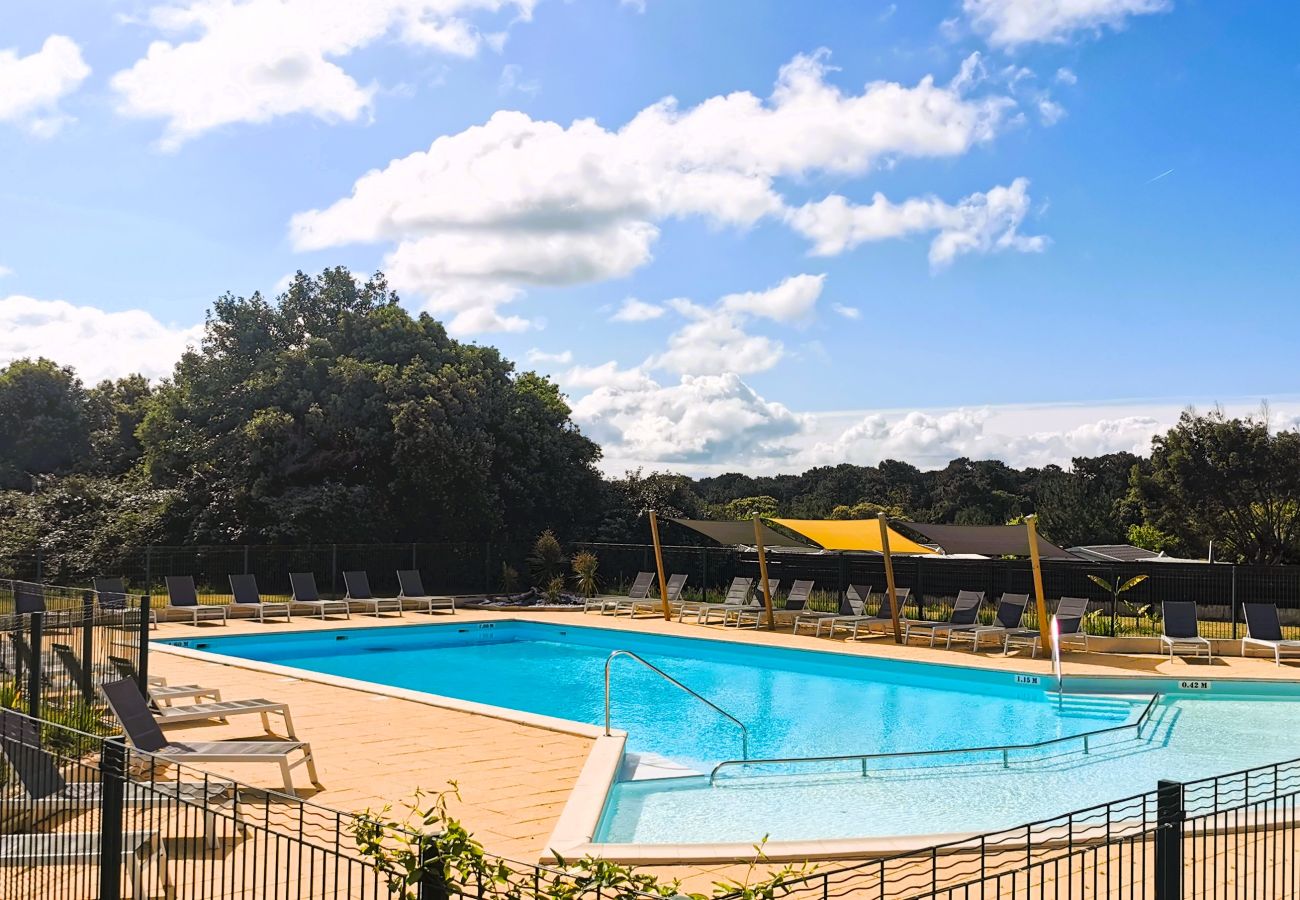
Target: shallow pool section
pixel 804 703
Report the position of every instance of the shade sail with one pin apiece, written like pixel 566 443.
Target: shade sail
pixel 851 534
pixel 986 540
pixel 740 533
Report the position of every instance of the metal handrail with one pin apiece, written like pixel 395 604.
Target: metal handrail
pixel 1005 750
pixel 744 732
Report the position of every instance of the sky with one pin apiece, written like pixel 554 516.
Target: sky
pixel 741 236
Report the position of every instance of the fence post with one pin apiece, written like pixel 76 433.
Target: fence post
pixel 433 884
pixel 1234 601
pixel 38 663
pixel 112 779
pixel 142 668
pixel 1169 840
pixel 87 643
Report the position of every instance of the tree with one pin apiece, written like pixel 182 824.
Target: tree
pixel 114 411
pixel 43 423
pixel 1228 480
pixel 1086 504
pixel 333 415
pixel 747 508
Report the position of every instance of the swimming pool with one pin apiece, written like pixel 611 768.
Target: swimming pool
pixel 802 703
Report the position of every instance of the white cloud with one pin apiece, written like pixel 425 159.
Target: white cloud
pixel 5 271
pixel 634 310
pixel 792 300
pixel 702 418
pixel 1066 76
pixel 534 202
pixel 563 358
pixel 31 86
pixel 848 312
pixel 606 375
pixel 1009 23
pixel 982 222
pixel 512 80
pixel 97 343
pixel 256 60
pixel 1050 111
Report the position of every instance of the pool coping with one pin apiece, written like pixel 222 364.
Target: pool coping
pixel 579 820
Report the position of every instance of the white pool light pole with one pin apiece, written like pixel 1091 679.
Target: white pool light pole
pixel 1044 626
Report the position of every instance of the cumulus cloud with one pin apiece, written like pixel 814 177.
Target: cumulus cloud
pixel 932 439
pixel 5 271
pixel 563 358
pixel 1066 76
pixel 792 300
pixel 1010 23
pixel 703 417
pixel 256 60
pixel 97 343
pixel 634 310
pixel 607 375
pixel 848 312
pixel 517 202
pixel 982 222
pixel 31 86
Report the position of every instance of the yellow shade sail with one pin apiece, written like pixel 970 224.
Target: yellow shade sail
pixel 851 534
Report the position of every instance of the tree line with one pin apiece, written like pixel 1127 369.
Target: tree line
pixel 332 415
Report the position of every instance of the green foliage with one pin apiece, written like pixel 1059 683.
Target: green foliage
pixel 865 510
pixel 746 508
pixel 509 578
pixel 1149 537
pixel 547 560
pixel 43 422
pixel 585 579
pixel 554 588
pixel 1231 481
pixel 437 847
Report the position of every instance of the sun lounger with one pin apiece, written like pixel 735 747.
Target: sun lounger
pixel 796 603
pixel 853 605
pixel 653 602
pixel 358 588
pixel 48 793
pixel 411 591
pixel 160 692
pixel 705 614
pixel 142 849
pixel 965 612
pixel 144 734
pixel 184 598
pixel 1069 622
pixel 1181 630
pixel 639 590
pixel 1010 614
pixel 246 595
pixel 883 616
pixel 111 599
pixel 1264 629
pixel 737 593
pixel 303 585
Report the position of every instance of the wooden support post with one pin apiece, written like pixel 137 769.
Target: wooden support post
pixel 762 572
pixel 1044 626
pixel 659 565
pixel 889 578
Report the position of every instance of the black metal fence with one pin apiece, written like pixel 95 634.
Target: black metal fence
pixel 1219 590
pixel 445 568
pixel 1231 836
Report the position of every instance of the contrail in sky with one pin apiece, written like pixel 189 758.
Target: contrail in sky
pixel 1162 175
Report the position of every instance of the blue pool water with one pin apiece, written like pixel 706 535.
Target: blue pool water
pixel 798 703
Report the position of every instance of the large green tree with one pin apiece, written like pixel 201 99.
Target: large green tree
pixel 333 415
pixel 1233 481
pixel 43 422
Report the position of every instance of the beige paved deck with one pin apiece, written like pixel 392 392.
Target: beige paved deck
pixel 515 778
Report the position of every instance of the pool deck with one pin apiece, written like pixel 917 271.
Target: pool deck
pixel 516 777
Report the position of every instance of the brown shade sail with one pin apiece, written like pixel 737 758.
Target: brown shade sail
pixel 985 540
pixel 741 533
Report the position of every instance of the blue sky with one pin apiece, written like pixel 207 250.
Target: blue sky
pixel 1085 217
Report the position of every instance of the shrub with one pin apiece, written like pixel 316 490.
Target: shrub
pixel 584 573
pixel 509 578
pixel 547 559
pixel 554 588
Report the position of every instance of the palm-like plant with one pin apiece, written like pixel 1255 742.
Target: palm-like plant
pixel 1116 588
pixel 584 573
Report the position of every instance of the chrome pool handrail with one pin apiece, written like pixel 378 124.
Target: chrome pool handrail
pixel 744 732
pixel 1005 750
